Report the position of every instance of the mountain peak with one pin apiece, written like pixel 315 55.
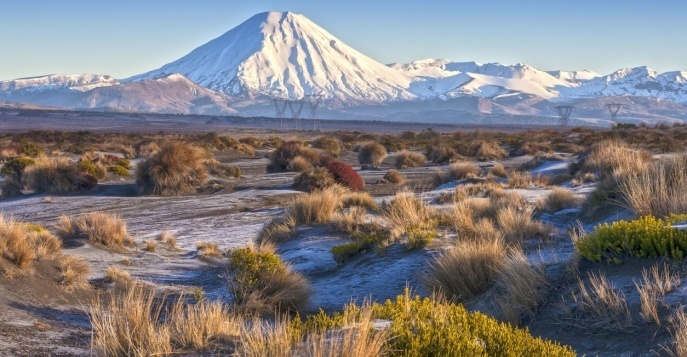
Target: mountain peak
pixel 284 54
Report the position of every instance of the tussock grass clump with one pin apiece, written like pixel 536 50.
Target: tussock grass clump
pixel 316 207
pixel 658 189
pixel 56 175
pixel 405 159
pixel 657 282
pixel 139 324
pixel 260 281
pixel 517 224
pixel 359 199
pixel 521 285
pixel 176 169
pixel 208 249
pixel 646 237
pixel 277 230
pixel 407 215
pixel 463 170
pixel 371 154
pixel 466 269
pixel 614 157
pixel 679 333
pixel 73 270
pixel 114 274
pixel 519 179
pixel 489 150
pixel 394 177
pixel 499 170
pixel 559 199
pixel 601 305
pixel 97 227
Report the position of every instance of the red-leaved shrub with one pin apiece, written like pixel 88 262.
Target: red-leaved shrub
pixel 345 175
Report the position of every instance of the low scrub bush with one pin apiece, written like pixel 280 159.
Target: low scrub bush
pixel 89 167
pixel 645 237
pixel 371 154
pixel 281 157
pixel 345 175
pixel 394 177
pixel 259 280
pixel 222 170
pixel 97 227
pixel 299 164
pixel 406 159
pixel 177 168
pixel 316 178
pixel 14 167
pixel 118 170
pixel 329 145
pixel 56 175
pixel 443 155
pixel 361 243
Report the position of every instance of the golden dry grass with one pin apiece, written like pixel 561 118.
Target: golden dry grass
pixel 519 179
pixel 359 199
pixel 657 189
pixel 601 305
pixel 73 270
pixel 463 170
pixel 151 246
pixel 467 269
pixel 559 199
pixel 679 334
pixel 299 164
pixel 615 157
pixel 405 213
pixel 517 225
pixel 657 282
pixel 405 159
pixel 316 207
pixel 277 230
pixel 115 274
pixel 137 324
pixel 208 249
pixel 100 228
pixel 499 170
pixel 176 169
pixel 521 286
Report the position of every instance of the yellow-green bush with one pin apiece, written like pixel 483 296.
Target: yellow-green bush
pixel 14 167
pixel 89 167
pixel 426 327
pixel 118 170
pixel 360 244
pixel 646 237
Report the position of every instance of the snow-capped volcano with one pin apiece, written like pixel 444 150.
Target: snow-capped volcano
pixel 287 55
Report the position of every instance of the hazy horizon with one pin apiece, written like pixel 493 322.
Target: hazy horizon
pixel 127 38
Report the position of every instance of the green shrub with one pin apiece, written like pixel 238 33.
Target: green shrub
pixel 125 163
pixel 31 150
pixel 426 327
pixel 646 237
pixel 118 170
pixel 360 244
pixel 14 168
pixel 88 167
pixel 260 281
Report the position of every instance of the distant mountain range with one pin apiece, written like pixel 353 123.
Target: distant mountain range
pixel 288 56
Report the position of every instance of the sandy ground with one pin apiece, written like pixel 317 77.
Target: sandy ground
pixel 233 218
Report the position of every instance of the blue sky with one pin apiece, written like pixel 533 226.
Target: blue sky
pixel 126 37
